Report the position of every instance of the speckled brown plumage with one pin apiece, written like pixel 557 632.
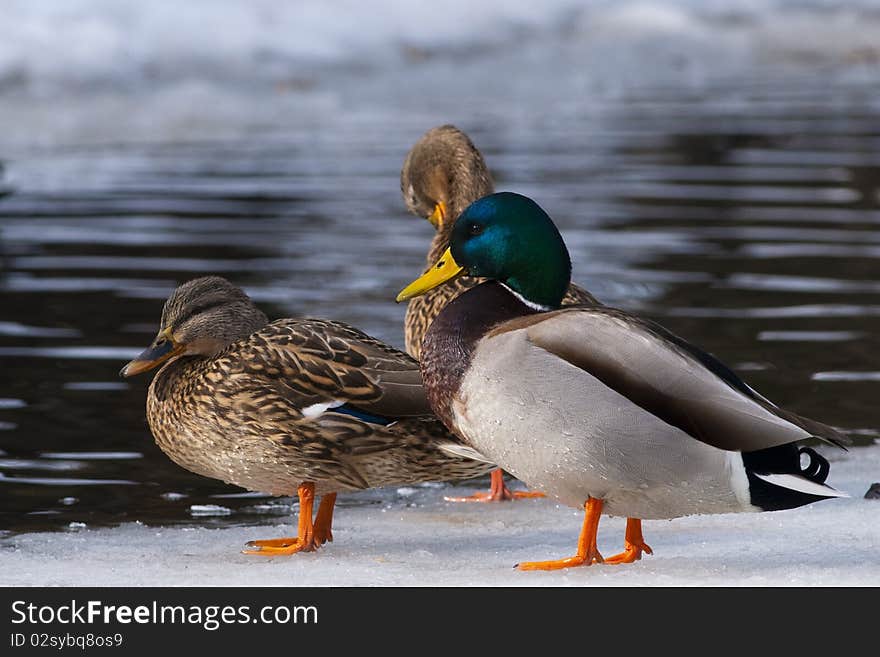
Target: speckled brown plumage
pixel 252 412
pixel 445 167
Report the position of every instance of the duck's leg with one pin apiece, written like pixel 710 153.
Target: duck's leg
pixel 633 544
pixel 498 492
pixel 305 539
pixel 324 519
pixel 588 552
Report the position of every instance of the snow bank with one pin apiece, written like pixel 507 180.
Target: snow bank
pixel 68 43
pixel 421 540
pixel 165 70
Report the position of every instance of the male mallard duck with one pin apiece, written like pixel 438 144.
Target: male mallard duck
pixel 305 406
pixel 442 174
pixel 595 406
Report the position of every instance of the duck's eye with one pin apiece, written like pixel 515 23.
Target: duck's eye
pixel 475 228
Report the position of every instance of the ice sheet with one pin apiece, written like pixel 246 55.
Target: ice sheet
pixel 421 540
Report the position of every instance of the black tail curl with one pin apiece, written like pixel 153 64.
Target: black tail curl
pixel 783 459
pixel 818 468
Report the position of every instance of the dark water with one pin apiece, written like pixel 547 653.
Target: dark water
pixel 743 218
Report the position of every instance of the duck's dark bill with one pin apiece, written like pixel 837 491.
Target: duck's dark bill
pixel 150 358
pixel 443 270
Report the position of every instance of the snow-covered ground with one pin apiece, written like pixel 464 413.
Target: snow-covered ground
pixel 424 541
pixel 164 70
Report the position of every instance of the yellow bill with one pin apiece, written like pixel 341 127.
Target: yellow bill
pixel 445 269
pixel 162 349
pixel 438 216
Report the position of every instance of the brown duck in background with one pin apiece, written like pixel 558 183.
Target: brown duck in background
pixel 444 173
pixel 295 406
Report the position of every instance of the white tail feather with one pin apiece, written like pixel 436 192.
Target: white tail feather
pixel 801 484
pixel 465 452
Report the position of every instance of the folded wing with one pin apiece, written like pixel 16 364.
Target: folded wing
pixel 670 378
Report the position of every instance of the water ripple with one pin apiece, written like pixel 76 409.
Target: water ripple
pixel 23 330
pixel 93 456
pixel 807 250
pixel 809 310
pixel 42 481
pixel 36 464
pixel 846 376
pixel 809 336
pixel 799 284
pixel 93 386
pixel 76 353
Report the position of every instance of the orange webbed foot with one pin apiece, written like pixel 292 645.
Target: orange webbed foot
pixel 507 496
pixel 587 553
pixel 498 492
pixel 323 537
pixel 324 520
pixel 310 535
pixel 630 553
pixel 558 564
pixel 274 547
pixel 633 544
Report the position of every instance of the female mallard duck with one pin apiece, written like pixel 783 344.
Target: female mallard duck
pixel 592 405
pixel 442 174
pixel 305 406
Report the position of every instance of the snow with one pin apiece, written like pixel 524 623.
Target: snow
pixel 166 70
pixel 421 540
pixel 134 43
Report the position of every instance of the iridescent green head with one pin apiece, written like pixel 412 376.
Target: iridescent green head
pixel 509 238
